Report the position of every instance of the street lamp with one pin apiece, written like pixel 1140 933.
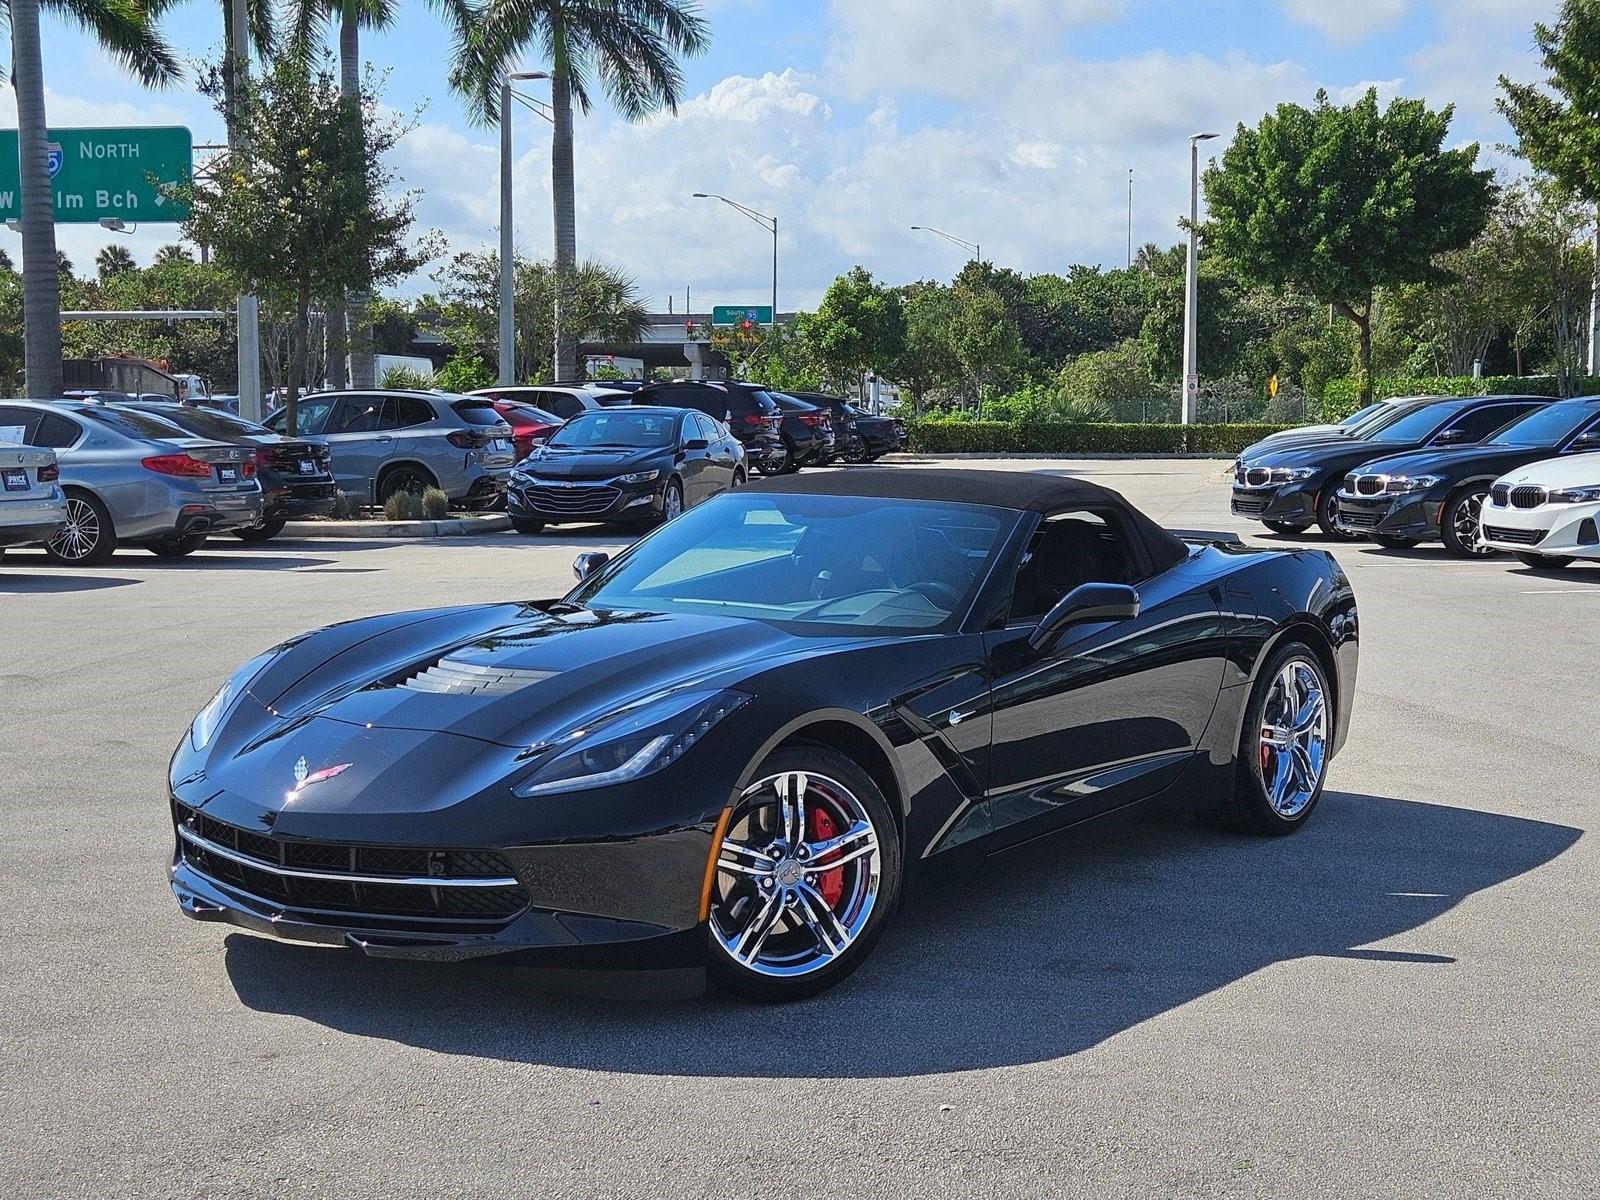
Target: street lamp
pixel 765 222
pixel 1191 368
pixel 508 317
pixel 977 251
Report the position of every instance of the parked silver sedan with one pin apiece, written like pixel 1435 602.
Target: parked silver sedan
pixel 32 506
pixel 130 478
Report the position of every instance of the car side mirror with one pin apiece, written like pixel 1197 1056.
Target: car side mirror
pixel 1086 603
pixel 1452 437
pixel 587 563
pixel 696 444
pixel 1586 442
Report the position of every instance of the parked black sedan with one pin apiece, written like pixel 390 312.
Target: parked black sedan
pixel 1289 489
pixel 749 411
pixel 295 473
pixel 879 435
pixel 1438 494
pixel 624 465
pixel 732 744
pixel 806 431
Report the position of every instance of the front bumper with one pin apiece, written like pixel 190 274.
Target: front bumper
pixel 555 501
pixel 1563 530
pixel 1289 502
pixel 1410 515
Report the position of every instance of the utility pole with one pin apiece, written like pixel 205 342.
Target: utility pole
pixel 1130 217
pixel 508 298
pixel 1191 291
pixel 768 223
pixel 249 311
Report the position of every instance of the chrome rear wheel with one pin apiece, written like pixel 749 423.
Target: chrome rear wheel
pixel 1294 738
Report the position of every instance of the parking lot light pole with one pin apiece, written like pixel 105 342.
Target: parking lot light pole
pixel 508 316
pixel 977 250
pixel 766 222
pixel 1191 288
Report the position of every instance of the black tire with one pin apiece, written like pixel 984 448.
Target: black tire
pixel 738 479
pixel 750 984
pixel 768 465
pixel 1459 522
pixel 1285 526
pixel 404 478
pixel 872 458
pixel 1394 543
pixel 262 532
pixel 89 537
pixel 177 547
pixel 529 525
pixel 1250 809
pixel 1544 562
pixel 1327 508
pixel 670 498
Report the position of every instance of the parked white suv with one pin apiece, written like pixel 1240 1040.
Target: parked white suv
pixel 1546 513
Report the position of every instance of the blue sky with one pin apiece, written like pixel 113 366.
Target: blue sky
pixel 1009 122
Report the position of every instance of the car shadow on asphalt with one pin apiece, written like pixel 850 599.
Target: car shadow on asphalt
pixel 68 582
pixel 1573 574
pixel 1027 957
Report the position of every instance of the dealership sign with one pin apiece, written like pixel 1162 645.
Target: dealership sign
pixel 126 173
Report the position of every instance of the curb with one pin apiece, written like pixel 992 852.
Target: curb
pixel 956 456
pixel 451 527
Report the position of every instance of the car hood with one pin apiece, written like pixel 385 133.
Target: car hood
pixel 1452 462
pixel 1567 470
pixel 590 464
pixel 1337 454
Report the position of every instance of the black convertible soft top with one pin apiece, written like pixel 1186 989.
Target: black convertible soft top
pixel 1025 491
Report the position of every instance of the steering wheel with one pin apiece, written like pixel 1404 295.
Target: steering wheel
pixel 936 591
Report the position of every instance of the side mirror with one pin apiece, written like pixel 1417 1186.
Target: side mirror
pixel 698 443
pixel 587 563
pixel 1083 604
pixel 1585 442
pixel 1452 437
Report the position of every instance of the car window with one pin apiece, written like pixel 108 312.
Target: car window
pixel 207 422
pixel 564 406
pixel 404 412
pixel 1548 426
pixel 1481 422
pixel 811 563
pixel 609 427
pixel 1067 549
pixel 476 412
pixel 56 431
pixel 16 424
pixel 358 414
pixel 311 416
pixel 134 424
pixel 705 427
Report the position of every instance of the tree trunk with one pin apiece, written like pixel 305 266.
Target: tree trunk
pixel 1362 320
pixel 41 266
pixel 300 344
pixel 352 332
pixel 1594 303
pixel 565 207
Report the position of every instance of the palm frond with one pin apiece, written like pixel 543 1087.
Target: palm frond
pixel 126 30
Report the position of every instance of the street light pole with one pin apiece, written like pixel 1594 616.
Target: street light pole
pixel 249 308
pixel 508 315
pixel 977 250
pixel 768 223
pixel 1191 290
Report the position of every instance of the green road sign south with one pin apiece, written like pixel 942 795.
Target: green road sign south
pixel 100 173
pixel 735 314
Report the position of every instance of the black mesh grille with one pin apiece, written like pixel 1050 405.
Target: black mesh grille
pixel 1527 497
pixel 1249 506
pixel 393 904
pixel 1359 518
pixel 1514 537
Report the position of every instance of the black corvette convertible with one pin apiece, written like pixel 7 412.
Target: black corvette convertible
pixel 733 743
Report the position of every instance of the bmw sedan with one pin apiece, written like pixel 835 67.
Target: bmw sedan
pixel 32 506
pixel 1547 513
pixel 1290 488
pixel 732 745
pixel 1439 494
pixel 624 466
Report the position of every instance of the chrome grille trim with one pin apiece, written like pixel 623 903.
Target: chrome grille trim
pixel 222 851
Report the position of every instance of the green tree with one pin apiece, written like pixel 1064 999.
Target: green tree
pixel 307 208
pixel 926 360
pixel 1341 201
pixel 113 260
pixel 630 46
pixel 126 30
pixel 1558 131
pixel 985 342
pixel 858 327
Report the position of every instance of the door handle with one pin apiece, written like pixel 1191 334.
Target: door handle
pixel 383 438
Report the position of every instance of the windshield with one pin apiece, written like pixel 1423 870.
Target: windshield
pixel 1415 425
pixel 623 430
pixel 871 565
pixel 1548 426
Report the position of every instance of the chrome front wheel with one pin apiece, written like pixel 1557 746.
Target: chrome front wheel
pixel 1294 738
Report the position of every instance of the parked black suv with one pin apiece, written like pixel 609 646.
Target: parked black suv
pixel 749 411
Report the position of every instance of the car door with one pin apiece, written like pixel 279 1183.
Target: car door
pixel 418 436
pixel 724 458
pixel 358 447
pixel 1112 711
pixel 695 465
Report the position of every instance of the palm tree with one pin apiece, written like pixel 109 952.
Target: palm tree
pixel 113 260
pixel 126 30
pixel 633 48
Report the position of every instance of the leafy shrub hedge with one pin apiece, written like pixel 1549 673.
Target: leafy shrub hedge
pixel 1057 437
pixel 1339 397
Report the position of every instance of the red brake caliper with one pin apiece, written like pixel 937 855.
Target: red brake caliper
pixel 829 883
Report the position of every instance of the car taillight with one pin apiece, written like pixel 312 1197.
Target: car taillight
pixel 248 467
pixel 50 474
pixel 463 440
pixel 811 419
pixel 754 419
pixel 178 464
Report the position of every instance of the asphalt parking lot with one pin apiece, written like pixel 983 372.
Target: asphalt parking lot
pixel 1400 1001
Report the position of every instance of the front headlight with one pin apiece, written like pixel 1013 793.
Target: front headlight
pixel 204 727
pixel 1397 484
pixel 1583 495
pixel 637 741
pixel 639 477
pixel 1292 474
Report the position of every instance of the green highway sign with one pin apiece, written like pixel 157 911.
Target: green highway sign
pixel 736 314
pixel 99 173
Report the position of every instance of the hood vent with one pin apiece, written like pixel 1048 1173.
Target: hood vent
pixel 454 676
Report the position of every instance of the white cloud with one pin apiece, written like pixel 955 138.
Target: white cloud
pixel 1043 155
pixel 1346 22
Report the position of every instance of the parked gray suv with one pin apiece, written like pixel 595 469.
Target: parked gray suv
pixel 385 442
pixel 135 479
